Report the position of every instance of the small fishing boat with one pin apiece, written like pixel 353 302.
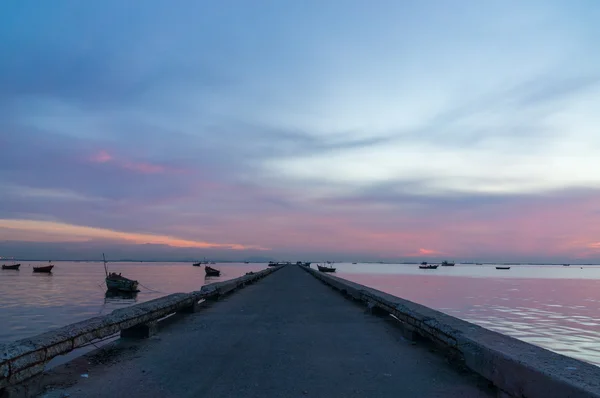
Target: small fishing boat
pixel 502 267
pixel 278 263
pixel 199 263
pixel 46 269
pixel 326 268
pixel 427 266
pixel 566 265
pixel 12 266
pixel 118 282
pixel 447 264
pixel 210 271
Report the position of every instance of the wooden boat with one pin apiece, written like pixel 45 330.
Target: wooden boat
pixel 199 263
pixel 278 263
pixel 118 282
pixel 44 269
pixel 210 271
pixel 447 264
pixel 324 268
pixel 427 266
pixel 12 266
pixel 502 267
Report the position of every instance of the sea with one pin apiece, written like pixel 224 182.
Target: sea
pixel 552 306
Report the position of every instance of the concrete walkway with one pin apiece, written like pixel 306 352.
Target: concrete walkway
pixel 285 336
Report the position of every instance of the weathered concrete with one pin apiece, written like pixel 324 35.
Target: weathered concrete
pixel 517 368
pixel 287 336
pixel 26 358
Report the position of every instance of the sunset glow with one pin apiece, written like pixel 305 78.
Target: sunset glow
pixel 434 131
pixel 59 232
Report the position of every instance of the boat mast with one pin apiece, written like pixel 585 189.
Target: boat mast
pixel 105 269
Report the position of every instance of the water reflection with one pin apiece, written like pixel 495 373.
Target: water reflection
pixel 33 303
pixel 119 296
pixel 559 314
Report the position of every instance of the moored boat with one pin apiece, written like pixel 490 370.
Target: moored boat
pixel 118 282
pixel 427 266
pixel 566 265
pixel 326 268
pixel 44 269
pixel 278 263
pixel 199 263
pixel 447 264
pixel 502 267
pixel 210 271
pixel 12 266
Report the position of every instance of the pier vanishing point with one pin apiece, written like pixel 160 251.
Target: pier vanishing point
pixel 288 332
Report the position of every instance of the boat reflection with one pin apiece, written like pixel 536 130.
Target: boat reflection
pixel 119 296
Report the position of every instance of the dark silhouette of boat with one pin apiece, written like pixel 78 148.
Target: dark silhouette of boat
pixel 117 282
pixel 278 263
pixel 199 263
pixel 12 266
pixel 210 271
pixel 566 265
pixel 447 264
pixel 325 268
pixel 502 267
pixel 427 266
pixel 44 269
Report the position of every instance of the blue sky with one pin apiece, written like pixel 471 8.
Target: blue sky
pixel 389 129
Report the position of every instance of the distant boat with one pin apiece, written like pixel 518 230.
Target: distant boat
pixel 478 264
pixel 427 266
pixel 199 263
pixel 353 263
pixel 325 268
pixel 118 282
pixel 44 269
pixel 12 266
pixel 502 267
pixel 278 263
pixel 566 265
pixel 447 264
pixel 211 271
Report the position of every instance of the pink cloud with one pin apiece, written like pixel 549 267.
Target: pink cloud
pixel 144 168
pixel 101 157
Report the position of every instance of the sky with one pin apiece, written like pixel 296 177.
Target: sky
pixel 336 129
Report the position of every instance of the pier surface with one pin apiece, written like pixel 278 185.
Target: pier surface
pixel 286 336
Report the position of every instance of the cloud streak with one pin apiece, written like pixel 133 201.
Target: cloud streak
pixel 273 127
pixel 60 232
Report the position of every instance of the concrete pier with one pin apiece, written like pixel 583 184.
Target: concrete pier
pixel 287 335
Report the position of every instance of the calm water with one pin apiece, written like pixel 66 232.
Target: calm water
pixel 554 307
pixel 550 306
pixel 35 303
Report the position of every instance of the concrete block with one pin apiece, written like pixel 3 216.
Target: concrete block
pixel 18 377
pixel 22 356
pixel 143 331
pixel 408 332
pixel 60 348
pixel 190 309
